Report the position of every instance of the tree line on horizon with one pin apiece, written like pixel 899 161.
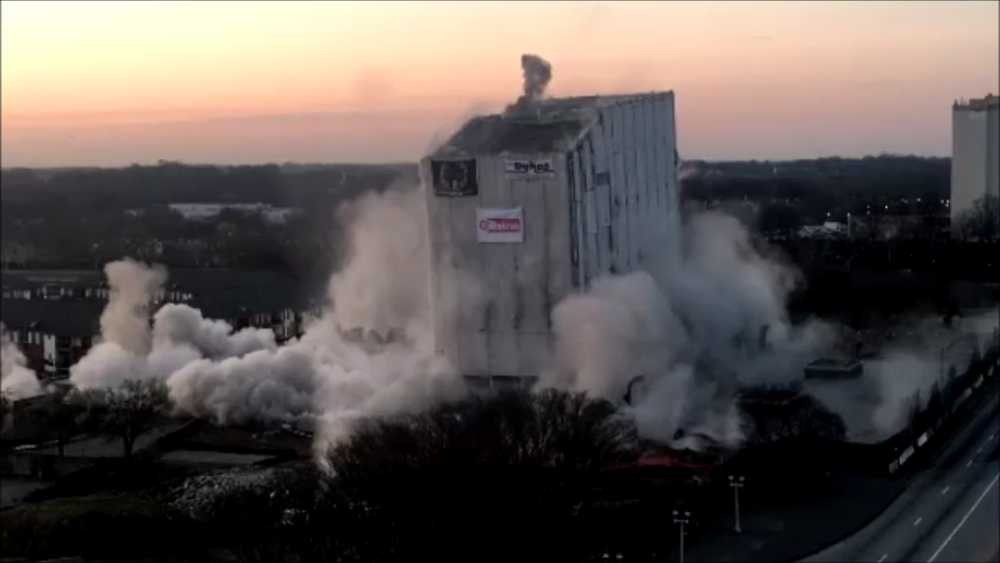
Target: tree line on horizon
pixel 77 217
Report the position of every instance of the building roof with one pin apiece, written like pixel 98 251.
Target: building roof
pixel 834 363
pixel 217 293
pixel 549 125
pixel 777 395
pixel 28 279
pixel 265 297
pixel 194 280
pixel 59 317
pixel 990 101
pixel 496 134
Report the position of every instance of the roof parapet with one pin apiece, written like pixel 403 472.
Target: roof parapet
pixel 977 104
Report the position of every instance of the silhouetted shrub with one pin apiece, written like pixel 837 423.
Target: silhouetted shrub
pixel 95 527
pixel 506 472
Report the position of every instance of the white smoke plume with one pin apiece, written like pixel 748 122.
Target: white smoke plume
pixel 125 332
pixel 383 294
pixel 17 380
pixel 690 326
pixel 132 288
pixel 245 377
pixel 921 354
pixel 213 339
pixel 537 75
pixel 906 375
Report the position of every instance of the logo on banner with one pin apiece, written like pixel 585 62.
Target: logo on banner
pixel 454 178
pixel 500 225
pixel 529 167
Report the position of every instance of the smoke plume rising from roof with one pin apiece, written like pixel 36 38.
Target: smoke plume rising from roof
pixel 537 74
pixel 17 380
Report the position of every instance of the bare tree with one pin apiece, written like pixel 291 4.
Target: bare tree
pixel 4 411
pixel 254 513
pixel 464 468
pixel 127 412
pixel 62 416
pixel 914 406
pixel 516 464
pixel 981 222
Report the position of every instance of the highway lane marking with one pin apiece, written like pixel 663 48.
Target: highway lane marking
pixel 964 519
pixel 970 463
pixel 919 520
pixel 993 435
pixel 945 491
pixel 881 559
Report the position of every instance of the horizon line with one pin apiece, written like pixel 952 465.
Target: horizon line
pixel 164 162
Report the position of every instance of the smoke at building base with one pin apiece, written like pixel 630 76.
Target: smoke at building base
pixel 17 380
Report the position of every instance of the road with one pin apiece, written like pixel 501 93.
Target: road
pixel 951 512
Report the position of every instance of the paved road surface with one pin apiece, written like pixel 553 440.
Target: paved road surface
pixel 950 513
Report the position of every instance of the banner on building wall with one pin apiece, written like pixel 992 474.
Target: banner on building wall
pixel 455 178
pixel 500 225
pixel 523 168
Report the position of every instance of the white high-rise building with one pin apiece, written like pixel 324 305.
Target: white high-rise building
pixel 975 153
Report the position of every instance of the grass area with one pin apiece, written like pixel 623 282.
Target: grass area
pixel 105 526
pixel 148 477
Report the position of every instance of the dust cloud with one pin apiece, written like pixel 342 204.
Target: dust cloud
pixel 370 352
pixel 17 380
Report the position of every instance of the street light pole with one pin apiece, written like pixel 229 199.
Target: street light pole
pixel 941 368
pixel 682 518
pixel 736 482
pixel 945 349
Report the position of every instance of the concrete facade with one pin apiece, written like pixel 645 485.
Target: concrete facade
pixel 581 188
pixel 975 159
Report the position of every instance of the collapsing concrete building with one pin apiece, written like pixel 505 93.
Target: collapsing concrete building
pixel 538 202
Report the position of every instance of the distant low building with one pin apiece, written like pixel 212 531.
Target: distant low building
pixel 54 316
pixel 828 229
pixel 829 368
pixel 486 384
pixel 69 285
pixel 205 211
pixel 769 395
pixel 53 335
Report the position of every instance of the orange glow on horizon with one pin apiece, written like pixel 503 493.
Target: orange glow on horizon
pixel 813 77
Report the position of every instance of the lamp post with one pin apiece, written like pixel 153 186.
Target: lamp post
pixel 682 517
pixel 736 482
pixel 945 349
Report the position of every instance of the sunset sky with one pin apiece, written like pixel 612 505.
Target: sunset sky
pixel 111 83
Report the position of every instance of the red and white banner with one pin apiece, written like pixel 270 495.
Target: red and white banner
pixel 500 225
